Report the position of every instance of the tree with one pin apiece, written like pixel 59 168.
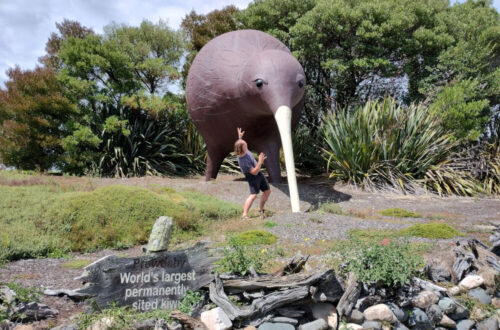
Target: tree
pixel 33 115
pixel 120 82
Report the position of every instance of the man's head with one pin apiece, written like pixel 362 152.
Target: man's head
pixel 240 147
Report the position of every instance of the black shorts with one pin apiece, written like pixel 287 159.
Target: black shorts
pixel 256 183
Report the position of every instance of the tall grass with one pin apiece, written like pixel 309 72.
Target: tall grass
pixel 384 144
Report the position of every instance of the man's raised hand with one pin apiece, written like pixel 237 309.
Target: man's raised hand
pixel 240 133
pixel 262 157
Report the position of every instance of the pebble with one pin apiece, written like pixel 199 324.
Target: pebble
pixel 318 324
pixel 495 302
pixel 447 305
pixel 480 295
pixel 447 322
pixel 380 312
pixel 276 326
pixel 470 282
pixel 465 324
pixel 424 299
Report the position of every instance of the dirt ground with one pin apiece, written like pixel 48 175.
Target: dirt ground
pixel 473 216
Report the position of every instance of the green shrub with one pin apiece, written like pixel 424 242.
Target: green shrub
pixel 190 299
pixel 270 224
pixel 256 237
pixel 330 208
pixel 384 143
pixel 399 213
pixel 391 261
pixel 434 230
pixel 239 256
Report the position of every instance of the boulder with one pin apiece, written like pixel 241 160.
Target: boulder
pixel 481 295
pixel 424 299
pixel 216 319
pixel 460 313
pixel 356 317
pixel 465 324
pixel 372 325
pixel 447 322
pixel 470 282
pixel 434 313
pixel 488 324
pixel 439 274
pixel 447 305
pixel 419 320
pixel 318 324
pixel 400 313
pixel 380 312
pixel 327 312
pixel 276 326
pixel 453 291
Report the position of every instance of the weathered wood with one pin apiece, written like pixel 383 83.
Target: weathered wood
pixel 259 307
pixel 328 288
pixel 152 281
pixel 426 285
pixel 160 235
pixel 295 265
pixel 273 283
pixel 72 294
pixel 350 296
pixel 187 321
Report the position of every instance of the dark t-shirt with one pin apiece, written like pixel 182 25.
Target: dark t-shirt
pixel 247 162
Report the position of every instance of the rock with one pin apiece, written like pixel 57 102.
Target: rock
pixel 372 325
pixel 434 313
pixel 71 326
pixel 24 327
pixel 327 312
pixel 290 312
pixel 103 324
pixel 318 324
pixel 380 312
pixel 276 326
pixel 351 326
pixel 419 320
pixel 34 311
pixel 439 274
pixel 366 302
pixel 216 319
pixel 453 291
pixel 447 305
pixel 399 326
pixel 145 324
pixel 495 302
pixel 447 322
pixel 480 295
pixel 478 314
pixel 488 324
pixel 161 325
pixel 250 327
pixel 356 317
pixel 282 319
pixel 471 282
pixel 7 296
pixel 459 313
pixel 465 324
pixel 160 235
pixel 424 299
pixel 400 314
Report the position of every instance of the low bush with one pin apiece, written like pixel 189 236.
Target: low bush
pixel 399 213
pixel 256 237
pixel 435 230
pixel 391 261
pixel 239 256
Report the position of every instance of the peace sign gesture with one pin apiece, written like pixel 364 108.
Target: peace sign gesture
pixel 240 133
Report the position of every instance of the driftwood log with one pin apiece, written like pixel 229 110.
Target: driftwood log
pixel 188 322
pixel 350 296
pixel 295 265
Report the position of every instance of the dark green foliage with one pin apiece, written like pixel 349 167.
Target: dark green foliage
pixel 239 255
pixel 191 298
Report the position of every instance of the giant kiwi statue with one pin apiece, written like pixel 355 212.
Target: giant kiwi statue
pixel 251 80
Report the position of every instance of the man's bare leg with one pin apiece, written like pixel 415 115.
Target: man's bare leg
pixel 263 199
pixel 248 204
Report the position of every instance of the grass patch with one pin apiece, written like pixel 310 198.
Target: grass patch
pixel 399 213
pixel 315 219
pixel 38 221
pixel 330 208
pixel 433 230
pixel 270 224
pixel 371 234
pixel 76 264
pixel 256 237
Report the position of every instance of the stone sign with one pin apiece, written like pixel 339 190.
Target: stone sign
pixel 152 281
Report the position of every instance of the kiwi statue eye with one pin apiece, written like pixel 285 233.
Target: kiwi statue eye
pixel 259 83
pixel 301 84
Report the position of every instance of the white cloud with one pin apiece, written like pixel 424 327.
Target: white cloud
pixel 27 24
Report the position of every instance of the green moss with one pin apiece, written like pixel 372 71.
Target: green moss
pixel 433 230
pixel 399 213
pixel 371 234
pixel 270 224
pixel 256 237
pixel 330 208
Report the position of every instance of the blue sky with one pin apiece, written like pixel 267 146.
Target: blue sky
pixel 25 25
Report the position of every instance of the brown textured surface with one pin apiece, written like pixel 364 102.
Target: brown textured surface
pixel 222 94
